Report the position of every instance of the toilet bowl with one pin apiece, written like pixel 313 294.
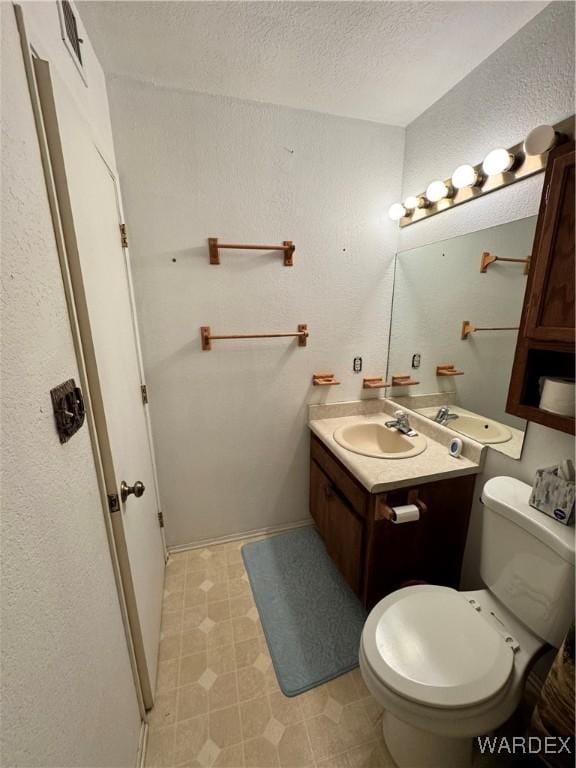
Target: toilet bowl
pixel 449 666
pixel 446 666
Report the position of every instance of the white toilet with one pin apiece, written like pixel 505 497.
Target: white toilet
pixel 448 666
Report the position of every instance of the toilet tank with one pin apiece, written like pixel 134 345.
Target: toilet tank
pixel 527 559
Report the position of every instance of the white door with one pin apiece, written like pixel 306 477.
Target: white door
pixel 103 296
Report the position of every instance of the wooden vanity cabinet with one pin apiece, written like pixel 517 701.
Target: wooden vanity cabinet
pixel 375 555
pixel 545 345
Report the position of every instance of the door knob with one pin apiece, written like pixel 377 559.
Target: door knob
pixel 126 490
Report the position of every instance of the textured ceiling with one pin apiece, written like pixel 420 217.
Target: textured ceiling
pixel 382 61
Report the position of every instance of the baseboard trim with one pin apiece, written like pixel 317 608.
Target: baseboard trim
pixel 142 745
pixel 253 534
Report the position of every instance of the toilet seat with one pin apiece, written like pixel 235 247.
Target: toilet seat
pixel 429 645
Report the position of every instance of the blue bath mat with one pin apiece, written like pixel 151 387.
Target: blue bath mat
pixel 311 618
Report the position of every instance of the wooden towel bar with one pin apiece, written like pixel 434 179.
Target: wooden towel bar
pixel 489 258
pixel 287 248
pixel 468 328
pixel 207 337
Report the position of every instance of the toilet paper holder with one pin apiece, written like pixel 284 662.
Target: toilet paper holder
pixel 386 512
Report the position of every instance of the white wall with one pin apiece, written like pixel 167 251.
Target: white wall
pixel 528 81
pixel 68 696
pixel 230 424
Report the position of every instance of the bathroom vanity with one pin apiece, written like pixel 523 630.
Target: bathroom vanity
pixel 353 496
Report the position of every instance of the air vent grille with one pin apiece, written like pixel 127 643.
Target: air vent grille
pixel 72 29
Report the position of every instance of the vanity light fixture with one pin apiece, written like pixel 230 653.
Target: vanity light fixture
pixel 498 161
pixel 541 139
pixel 500 168
pixel 397 211
pixel 412 203
pixel 466 176
pixel 438 190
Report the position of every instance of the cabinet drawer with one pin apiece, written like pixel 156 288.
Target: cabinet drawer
pixel 356 495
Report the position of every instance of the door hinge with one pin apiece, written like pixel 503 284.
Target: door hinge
pixel 161 519
pixel 123 236
pixel 113 502
pixel 144 393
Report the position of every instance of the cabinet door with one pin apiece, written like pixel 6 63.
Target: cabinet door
pixel 550 315
pixel 319 491
pixel 343 537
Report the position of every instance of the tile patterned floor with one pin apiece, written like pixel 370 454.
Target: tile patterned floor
pixel 218 702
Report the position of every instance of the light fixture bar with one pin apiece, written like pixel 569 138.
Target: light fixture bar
pixel 524 166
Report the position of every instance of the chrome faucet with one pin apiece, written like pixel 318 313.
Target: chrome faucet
pixel 444 416
pixel 402 424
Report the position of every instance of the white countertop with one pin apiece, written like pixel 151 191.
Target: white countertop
pixel 378 475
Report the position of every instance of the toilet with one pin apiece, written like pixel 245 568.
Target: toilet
pixel 448 666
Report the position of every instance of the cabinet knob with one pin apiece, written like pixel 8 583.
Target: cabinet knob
pixel 328 492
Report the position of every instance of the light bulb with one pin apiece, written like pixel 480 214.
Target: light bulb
pixel 437 190
pixel 396 211
pixel 413 202
pixel 540 140
pixel 497 161
pixel 465 176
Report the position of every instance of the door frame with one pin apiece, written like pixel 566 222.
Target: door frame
pixel 38 75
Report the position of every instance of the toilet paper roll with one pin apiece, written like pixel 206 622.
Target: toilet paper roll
pixel 558 396
pixel 406 513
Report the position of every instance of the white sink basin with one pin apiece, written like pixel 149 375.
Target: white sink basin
pixel 380 442
pixel 482 430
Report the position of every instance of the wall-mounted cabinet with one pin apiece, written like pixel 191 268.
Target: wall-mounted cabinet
pixel 545 346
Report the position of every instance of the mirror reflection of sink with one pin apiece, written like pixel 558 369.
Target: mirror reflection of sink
pixel 482 430
pixel 380 442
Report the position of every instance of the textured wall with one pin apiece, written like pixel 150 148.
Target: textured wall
pixel 528 81
pixel 68 695
pixel 230 424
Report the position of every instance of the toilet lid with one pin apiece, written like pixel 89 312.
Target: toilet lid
pixel 428 644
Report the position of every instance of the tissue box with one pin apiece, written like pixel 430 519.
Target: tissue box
pixel 553 495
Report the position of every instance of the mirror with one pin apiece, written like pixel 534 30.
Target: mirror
pixel 437 288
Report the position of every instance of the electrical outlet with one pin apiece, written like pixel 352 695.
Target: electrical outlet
pixel 357 366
